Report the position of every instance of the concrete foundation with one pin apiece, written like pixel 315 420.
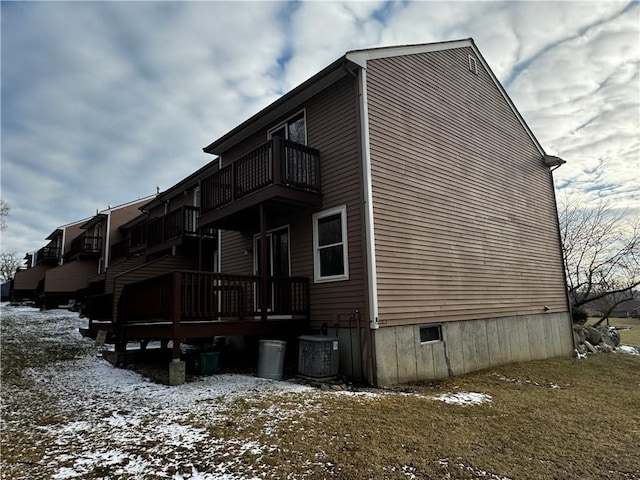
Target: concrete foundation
pixel 464 347
pixel 177 373
pixel 101 338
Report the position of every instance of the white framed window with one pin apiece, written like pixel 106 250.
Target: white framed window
pixel 196 196
pixel 293 129
pixel 330 251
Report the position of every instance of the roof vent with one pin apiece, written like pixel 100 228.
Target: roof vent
pixel 473 65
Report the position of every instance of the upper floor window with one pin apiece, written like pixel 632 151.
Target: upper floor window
pixel 196 197
pixel 330 252
pixel 294 129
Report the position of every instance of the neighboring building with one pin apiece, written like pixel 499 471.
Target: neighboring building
pixel 29 281
pixel 165 237
pixel 86 254
pixel 627 309
pixel 396 199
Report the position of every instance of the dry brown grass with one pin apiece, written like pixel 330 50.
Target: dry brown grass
pixel 554 419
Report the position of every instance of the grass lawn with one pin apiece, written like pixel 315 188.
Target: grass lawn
pixel 559 418
pixel 67 414
pixel 630 336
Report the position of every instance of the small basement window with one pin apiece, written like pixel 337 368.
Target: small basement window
pixel 431 333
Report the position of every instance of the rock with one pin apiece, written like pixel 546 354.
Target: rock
pixel 579 334
pixel 606 340
pixel 594 337
pixel 337 388
pixel 590 347
pixel 610 333
pixel 605 347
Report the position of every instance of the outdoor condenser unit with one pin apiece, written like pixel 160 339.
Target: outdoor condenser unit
pixel 318 356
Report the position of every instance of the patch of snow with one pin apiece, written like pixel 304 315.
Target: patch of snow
pixel 628 349
pixel 464 398
pixel 477 472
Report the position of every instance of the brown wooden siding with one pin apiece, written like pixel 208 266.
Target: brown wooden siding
pixel 28 279
pixel 464 214
pixel 70 233
pixel 332 128
pixel 120 216
pixel 70 277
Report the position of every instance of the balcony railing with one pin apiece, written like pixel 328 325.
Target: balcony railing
pixel 211 296
pixel 138 237
pixel 276 162
pixel 119 250
pixel 48 255
pixel 85 245
pixel 180 222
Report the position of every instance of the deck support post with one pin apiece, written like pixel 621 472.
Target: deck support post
pixel 264 251
pixel 175 315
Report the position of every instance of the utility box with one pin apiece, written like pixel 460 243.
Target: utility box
pixel 318 356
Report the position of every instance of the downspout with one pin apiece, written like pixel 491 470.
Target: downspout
pixel 564 267
pixel 368 201
pixel 106 243
pixel 368 221
pixel 62 252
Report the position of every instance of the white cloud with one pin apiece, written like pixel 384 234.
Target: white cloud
pixel 101 102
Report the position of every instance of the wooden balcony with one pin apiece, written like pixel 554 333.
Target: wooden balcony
pixel 279 171
pixel 170 229
pixel 138 238
pixel 48 256
pixel 84 246
pixel 192 304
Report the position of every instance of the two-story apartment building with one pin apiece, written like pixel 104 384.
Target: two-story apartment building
pixel 396 199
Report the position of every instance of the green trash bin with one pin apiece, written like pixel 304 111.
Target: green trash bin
pixel 209 363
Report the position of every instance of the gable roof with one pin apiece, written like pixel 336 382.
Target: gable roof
pixel 346 65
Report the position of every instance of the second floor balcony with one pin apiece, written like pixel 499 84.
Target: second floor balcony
pixel 172 228
pixel 48 256
pixel 278 170
pixel 85 246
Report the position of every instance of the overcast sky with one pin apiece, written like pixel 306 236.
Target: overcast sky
pixel 102 102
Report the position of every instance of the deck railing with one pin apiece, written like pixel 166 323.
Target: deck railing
pixel 183 221
pixel 47 255
pixel 189 295
pixel 276 162
pixel 85 245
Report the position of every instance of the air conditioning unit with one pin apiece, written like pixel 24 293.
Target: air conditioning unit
pixel 318 356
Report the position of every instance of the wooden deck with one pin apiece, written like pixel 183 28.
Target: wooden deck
pixel 192 304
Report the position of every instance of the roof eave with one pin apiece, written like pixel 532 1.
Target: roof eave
pixel 321 80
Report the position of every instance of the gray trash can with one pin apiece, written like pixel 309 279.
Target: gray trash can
pixel 271 359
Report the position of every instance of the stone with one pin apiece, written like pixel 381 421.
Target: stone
pixel 590 347
pixel 593 336
pixel 609 334
pixel 337 388
pixel 579 334
pixel 605 347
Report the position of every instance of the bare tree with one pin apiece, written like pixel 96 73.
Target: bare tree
pixel 601 247
pixel 4 213
pixel 9 263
